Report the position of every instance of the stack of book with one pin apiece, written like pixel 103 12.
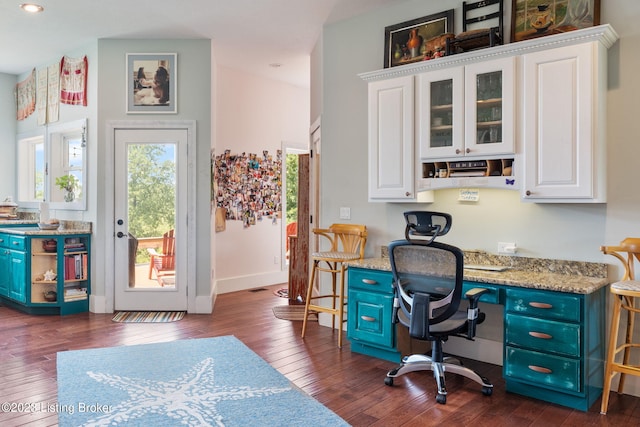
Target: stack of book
pixel 75 266
pixel 75 294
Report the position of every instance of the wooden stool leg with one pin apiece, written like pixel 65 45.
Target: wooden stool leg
pixel 308 301
pixel 629 302
pixel 611 353
pixel 341 306
pixel 334 294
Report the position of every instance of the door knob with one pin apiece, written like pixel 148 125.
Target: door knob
pixel 120 234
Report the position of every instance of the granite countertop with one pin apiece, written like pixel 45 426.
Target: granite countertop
pixel 27 228
pixel 532 273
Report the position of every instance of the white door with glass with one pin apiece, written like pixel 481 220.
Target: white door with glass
pixel 150 210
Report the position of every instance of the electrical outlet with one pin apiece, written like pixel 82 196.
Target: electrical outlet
pixel 507 248
pixel 345 213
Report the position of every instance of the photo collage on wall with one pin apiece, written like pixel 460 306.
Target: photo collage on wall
pixel 247 187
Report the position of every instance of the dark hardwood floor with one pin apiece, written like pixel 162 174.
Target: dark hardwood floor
pixel 348 383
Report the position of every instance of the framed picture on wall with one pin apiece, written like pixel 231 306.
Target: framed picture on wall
pixel 538 18
pixel 406 42
pixel 151 83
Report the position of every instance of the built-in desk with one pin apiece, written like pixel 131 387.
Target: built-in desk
pixel 554 321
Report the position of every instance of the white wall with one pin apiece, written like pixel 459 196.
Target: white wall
pixel 254 114
pixel 8 134
pixel 562 231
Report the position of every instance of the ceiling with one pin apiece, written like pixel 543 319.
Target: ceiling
pixel 246 34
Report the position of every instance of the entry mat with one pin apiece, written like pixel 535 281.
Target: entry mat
pixel 148 316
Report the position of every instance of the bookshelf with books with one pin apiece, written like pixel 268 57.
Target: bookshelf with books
pixel 58 273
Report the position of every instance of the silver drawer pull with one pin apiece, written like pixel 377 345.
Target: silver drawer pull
pixel 15 243
pixel 540 305
pixel 540 369
pixel 369 282
pixel 541 335
pixel 368 318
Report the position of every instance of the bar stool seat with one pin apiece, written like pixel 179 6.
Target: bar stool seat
pixel 624 292
pixel 347 244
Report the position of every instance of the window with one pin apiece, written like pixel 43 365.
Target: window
pixel 44 159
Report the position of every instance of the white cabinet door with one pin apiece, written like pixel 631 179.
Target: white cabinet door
pixel 563 96
pixel 440 113
pixel 467 111
pixel 391 141
pixel 490 92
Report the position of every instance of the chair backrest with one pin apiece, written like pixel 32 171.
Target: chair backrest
pixel 168 260
pixel 480 11
pixel 427 278
pixel 291 230
pixel 168 243
pixel 345 238
pixel 348 238
pixel 628 252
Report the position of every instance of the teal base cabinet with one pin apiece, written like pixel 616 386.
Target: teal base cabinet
pixel 554 345
pixel 554 342
pixel 370 327
pixel 45 273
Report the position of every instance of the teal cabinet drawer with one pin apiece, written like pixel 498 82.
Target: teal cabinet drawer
pixel 544 335
pixel 555 372
pixel 371 280
pixel 491 297
pixel 17 243
pixel 369 318
pixel 549 305
pixel 4 241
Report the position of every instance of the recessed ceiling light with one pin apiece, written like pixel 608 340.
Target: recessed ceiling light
pixel 275 65
pixel 31 7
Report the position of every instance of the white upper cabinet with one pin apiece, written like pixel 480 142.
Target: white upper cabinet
pixel 527 116
pixel 564 96
pixel 391 141
pixel 467 111
pixel 440 113
pixel 490 90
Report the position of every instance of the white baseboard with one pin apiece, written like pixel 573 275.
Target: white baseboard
pixel 98 304
pixel 242 283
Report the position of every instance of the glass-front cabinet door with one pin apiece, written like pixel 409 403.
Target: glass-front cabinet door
pixel 489 109
pixel 440 119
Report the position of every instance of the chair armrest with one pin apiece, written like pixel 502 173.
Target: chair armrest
pixel 473 313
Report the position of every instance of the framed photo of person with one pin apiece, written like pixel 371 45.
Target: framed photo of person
pixel 151 83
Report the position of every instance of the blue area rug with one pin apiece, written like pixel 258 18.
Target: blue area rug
pixel 199 382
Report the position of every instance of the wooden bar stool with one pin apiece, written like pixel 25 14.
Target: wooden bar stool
pixel 625 292
pixel 347 244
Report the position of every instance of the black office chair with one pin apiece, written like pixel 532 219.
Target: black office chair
pixel 427 280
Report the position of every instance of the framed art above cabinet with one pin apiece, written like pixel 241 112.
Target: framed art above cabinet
pixel 52 166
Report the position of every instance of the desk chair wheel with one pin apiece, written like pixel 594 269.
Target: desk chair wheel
pixel 388 381
pixel 487 391
pixel 441 398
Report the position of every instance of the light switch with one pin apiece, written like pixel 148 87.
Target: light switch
pixel 345 213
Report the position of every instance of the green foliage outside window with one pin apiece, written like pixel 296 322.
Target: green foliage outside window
pixel 292 188
pixel 152 192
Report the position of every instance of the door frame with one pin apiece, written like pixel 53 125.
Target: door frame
pixel 109 203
